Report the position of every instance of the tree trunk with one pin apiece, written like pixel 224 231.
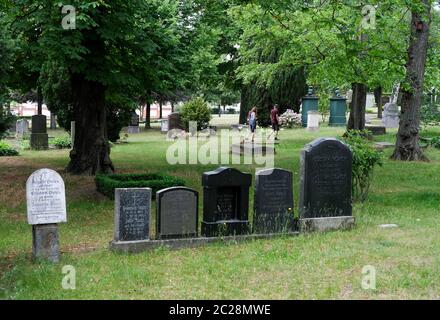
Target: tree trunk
pixel 147 116
pixel 91 152
pixel 160 109
pixel 357 107
pixel 378 100
pixel 407 144
pixel 172 107
pixel 39 101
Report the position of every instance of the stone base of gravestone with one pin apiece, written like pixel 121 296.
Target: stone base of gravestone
pixel 326 224
pixel 133 130
pixel 269 223
pixel 225 228
pixel 39 141
pixel 252 149
pixel 148 245
pixel 45 242
pixel 376 130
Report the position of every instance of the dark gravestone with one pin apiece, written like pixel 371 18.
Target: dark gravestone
pixel 325 190
pixel 39 136
pixel 225 202
pixel 132 214
pixel 273 201
pixel 177 213
pixel 174 121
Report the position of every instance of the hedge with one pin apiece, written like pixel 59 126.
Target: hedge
pixel 106 184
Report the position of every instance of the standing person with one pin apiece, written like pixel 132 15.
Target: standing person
pixel 275 121
pixel 252 120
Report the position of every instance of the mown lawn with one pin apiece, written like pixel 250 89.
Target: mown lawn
pixel 317 266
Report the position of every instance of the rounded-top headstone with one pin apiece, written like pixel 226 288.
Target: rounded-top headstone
pixel 46 197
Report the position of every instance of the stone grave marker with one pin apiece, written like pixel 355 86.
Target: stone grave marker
pixel 273 201
pixel 176 213
pixel 39 136
pixel 225 202
pixel 133 128
pixel 132 214
pixel 22 128
pixel 46 207
pixel 325 200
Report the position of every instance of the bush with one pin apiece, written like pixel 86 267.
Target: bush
pixel 6 150
pixel 196 110
pixel 106 184
pixel 231 111
pixel 62 142
pixel 6 120
pixel 290 119
pixel 365 158
pixel 430 115
pixel 435 142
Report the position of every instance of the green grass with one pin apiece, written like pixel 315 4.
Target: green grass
pixel 316 266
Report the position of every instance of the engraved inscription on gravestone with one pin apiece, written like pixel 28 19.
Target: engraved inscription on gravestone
pixel 227 203
pixel 177 213
pixel 46 198
pixel 273 201
pixel 325 190
pixel 132 214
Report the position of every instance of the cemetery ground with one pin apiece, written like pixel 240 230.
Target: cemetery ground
pixel 313 266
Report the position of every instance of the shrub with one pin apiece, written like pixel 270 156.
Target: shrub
pixel 6 150
pixel 365 158
pixel 430 115
pixel 435 142
pixel 6 120
pixel 62 142
pixel 196 110
pixel 290 119
pixel 106 184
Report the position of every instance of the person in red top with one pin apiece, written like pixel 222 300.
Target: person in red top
pixel 275 120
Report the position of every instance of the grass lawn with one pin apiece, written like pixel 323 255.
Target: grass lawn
pixel 316 266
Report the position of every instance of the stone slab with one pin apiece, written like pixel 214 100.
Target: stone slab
pixel 141 246
pixel 326 224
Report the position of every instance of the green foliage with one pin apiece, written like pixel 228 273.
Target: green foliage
pixel 435 142
pixel 365 158
pixel 196 110
pixel 106 184
pixel 6 150
pixel 430 115
pixel 63 142
pixel 6 120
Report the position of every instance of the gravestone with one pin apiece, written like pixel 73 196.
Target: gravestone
pixel 22 128
pixel 72 133
pixel 133 128
pixel 325 201
pixel 46 207
pixel 225 202
pixel 176 213
pixel 390 116
pixel 174 121
pixel 39 136
pixel 273 201
pixel 132 214
pixel 313 120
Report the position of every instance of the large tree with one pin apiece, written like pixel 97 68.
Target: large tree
pixel 407 144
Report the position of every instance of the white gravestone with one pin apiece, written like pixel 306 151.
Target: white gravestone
pixel 46 198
